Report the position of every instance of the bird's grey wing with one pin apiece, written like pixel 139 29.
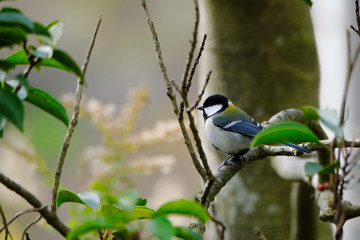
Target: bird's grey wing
pixel 247 127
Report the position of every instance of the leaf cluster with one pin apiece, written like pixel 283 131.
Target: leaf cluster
pixel 15 30
pixel 117 216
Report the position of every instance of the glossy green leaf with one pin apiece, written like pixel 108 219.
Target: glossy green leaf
pixel 88 199
pixel 67 196
pixel 161 228
pixel 115 222
pixel 63 58
pixel 20 58
pixel 312 168
pixel 285 132
pixel 310 113
pixel 184 207
pixel 17 19
pixel 47 103
pixel 11 107
pixel 41 30
pixel 187 233
pixel 308 2
pixel 9 9
pixel 11 35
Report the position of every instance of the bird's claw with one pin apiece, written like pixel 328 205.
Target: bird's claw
pixel 227 161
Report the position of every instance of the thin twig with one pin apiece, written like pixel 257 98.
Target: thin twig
pixel 192 73
pixel 29 226
pixel 74 120
pixel 357 18
pixel 51 217
pixel 171 94
pixel 22 213
pixel 198 100
pixel 193 46
pixel 351 64
pixel 7 232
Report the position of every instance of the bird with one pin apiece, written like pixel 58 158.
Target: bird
pixel 230 129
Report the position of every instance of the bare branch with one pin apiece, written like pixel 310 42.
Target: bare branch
pixel 357 18
pixel 172 96
pixel 29 226
pixel 193 46
pixel 198 100
pixel 23 213
pixel 7 232
pixel 50 216
pixel 74 120
pixel 192 73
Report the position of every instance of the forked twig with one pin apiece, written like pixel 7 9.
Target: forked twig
pixel 74 120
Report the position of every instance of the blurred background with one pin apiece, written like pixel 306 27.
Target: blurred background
pixel 124 60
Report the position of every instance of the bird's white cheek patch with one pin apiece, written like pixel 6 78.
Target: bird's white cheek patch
pixel 212 109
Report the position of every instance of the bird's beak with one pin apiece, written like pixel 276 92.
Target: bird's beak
pixel 201 108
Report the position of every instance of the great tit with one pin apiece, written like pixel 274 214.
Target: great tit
pixel 229 128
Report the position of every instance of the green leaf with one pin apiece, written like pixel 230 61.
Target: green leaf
pixel 141 202
pixel 90 199
pixel 139 212
pixel 46 102
pixel 2 125
pixel 128 200
pixel 142 212
pixel 63 58
pixel 161 228
pixel 115 222
pixel 41 30
pixel 87 198
pixel 20 58
pixel 17 19
pixel 329 168
pixel 184 207
pixel 331 120
pixel 312 168
pixel 187 233
pixel 285 132
pixel 67 196
pixel 11 35
pixel 310 113
pixel 11 107
pixel 308 2
pixel 109 210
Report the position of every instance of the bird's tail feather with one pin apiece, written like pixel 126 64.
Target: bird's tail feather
pixel 297 147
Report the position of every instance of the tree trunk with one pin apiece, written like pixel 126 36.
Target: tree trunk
pixel 263 58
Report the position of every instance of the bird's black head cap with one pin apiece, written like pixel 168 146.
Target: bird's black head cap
pixel 214 100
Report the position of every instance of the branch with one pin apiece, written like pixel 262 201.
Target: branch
pixel 357 18
pixel 51 218
pixel 73 122
pixel 29 226
pixel 23 213
pixel 6 225
pixel 170 93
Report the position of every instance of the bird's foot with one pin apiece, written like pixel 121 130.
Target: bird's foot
pixel 227 161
